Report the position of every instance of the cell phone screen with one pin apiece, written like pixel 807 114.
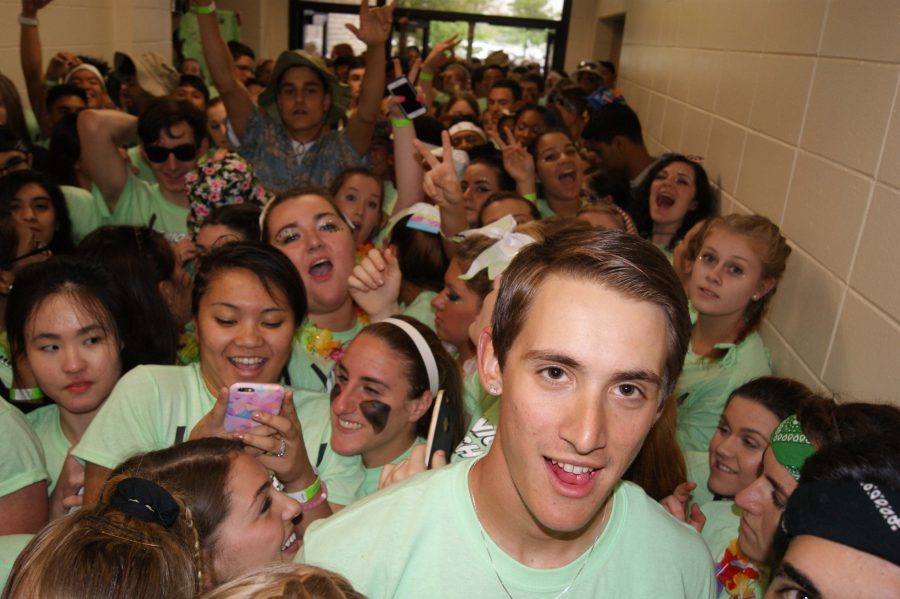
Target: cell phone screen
pixel 410 105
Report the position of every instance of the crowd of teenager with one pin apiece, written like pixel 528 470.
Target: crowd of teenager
pixel 510 272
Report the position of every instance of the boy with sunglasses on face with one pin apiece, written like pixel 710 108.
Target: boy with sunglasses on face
pixel 172 138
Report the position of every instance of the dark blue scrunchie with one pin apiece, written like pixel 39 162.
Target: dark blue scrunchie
pixel 145 500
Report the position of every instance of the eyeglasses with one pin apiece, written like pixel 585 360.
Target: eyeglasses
pixel 183 153
pixel 12 164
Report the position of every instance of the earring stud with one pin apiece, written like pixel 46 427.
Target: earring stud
pixel 493 390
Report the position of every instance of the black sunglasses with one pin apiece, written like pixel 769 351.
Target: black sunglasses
pixel 184 153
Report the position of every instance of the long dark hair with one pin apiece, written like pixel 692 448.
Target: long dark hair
pixel 703 195
pixel 11 184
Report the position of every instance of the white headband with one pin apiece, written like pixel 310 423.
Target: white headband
pixel 424 351
pixel 467 126
pixel 86 67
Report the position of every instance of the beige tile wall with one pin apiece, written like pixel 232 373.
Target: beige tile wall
pixel 92 27
pixel 794 104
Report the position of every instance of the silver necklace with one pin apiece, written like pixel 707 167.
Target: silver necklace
pixel 487 550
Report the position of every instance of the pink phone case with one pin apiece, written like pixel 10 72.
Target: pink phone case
pixel 246 398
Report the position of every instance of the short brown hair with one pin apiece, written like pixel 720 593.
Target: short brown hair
pixel 619 261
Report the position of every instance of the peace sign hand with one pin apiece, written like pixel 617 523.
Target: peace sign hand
pixel 441 182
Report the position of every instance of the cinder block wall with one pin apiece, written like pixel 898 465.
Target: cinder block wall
pixel 795 106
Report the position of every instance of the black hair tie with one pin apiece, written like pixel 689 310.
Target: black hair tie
pixel 145 500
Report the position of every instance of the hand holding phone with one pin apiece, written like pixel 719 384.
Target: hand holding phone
pixel 246 398
pixel 411 107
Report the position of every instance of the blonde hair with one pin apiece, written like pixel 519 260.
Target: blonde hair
pixel 100 551
pixel 772 250
pixel 286 581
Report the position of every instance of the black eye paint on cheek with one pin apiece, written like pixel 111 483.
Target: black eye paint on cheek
pixel 376 413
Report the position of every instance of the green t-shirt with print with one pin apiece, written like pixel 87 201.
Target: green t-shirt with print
pixel 140 202
pixel 45 422
pixel 154 407
pixel 483 411
pixel 704 386
pixel 437 548
pixel 23 457
pixel 314 354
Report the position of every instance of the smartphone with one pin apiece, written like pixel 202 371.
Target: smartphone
pixel 410 106
pixel 246 398
pixel 440 430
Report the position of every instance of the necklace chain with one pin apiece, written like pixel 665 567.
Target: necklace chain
pixel 487 550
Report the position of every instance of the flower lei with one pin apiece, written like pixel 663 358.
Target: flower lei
pixel 362 250
pixel 739 575
pixel 188 349
pixel 318 340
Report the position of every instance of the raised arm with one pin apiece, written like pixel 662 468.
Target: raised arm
pixel 238 103
pixel 101 132
pixel 408 169
pixel 439 55
pixel 374 29
pixel 31 58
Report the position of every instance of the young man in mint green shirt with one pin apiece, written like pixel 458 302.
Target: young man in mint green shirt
pixel 172 137
pixel 545 513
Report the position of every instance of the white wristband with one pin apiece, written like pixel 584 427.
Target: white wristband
pixel 28 21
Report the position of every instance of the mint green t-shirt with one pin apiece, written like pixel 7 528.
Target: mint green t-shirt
pixel 140 201
pixel 145 172
pixel 697 463
pixel 45 422
pixel 308 368
pixel 704 386
pixel 723 520
pixel 154 407
pixel 23 457
pixel 428 543
pixel 420 309
pixel 10 548
pixel 87 210
pixel 373 475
